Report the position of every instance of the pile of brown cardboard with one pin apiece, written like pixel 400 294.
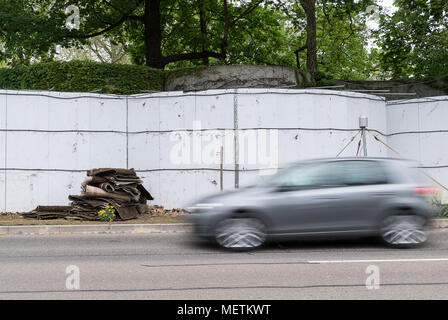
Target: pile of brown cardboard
pixel 120 188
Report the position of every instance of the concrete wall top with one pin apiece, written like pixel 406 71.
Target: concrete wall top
pixel 80 95
pixel 60 95
pixel 419 100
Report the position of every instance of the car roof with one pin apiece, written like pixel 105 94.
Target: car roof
pixel 380 159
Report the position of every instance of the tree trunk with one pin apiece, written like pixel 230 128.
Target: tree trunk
pixel 296 52
pixel 203 25
pixel 311 43
pixel 153 35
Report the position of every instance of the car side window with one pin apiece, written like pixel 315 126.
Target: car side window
pixel 301 176
pixel 309 176
pixel 331 175
pixel 364 173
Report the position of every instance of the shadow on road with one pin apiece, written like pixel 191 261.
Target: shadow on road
pixel 371 243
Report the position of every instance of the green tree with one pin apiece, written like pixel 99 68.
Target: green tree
pixel 31 29
pixel 99 49
pixel 336 42
pixel 342 39
pixel 27 29
pixel 414 40
pixel 262 38
pixel 179 33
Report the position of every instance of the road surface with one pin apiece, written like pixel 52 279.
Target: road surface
pixel 176 266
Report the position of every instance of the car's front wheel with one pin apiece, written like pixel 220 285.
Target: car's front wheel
pixel 240 233
pixel 403 230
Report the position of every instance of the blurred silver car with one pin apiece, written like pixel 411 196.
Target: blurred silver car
pixel 323 197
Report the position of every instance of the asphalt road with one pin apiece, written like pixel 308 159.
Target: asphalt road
pixel 176 266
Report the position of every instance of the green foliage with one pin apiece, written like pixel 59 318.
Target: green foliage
pixel 271 34
pixel 88 76
pixel 107 214
pixel 174 73
pixel 29 29
pixel 82 76
pixel 439 206
pixel 263 39
pixel 323 79
pixel 267 34
pixel 342 39
pixel 414 40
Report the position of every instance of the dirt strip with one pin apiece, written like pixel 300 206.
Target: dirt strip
pixel 14 219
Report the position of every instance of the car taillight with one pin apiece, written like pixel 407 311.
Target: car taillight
pixel 425 191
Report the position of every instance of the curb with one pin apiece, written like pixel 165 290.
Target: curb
pixel 126 228
pixel 96 229
pixel 439 223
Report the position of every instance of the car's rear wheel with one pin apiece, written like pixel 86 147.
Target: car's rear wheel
pixel 403 230
pixel 240 233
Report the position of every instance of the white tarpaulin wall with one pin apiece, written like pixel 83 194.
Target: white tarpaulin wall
pixel 48 140
pixel 418 129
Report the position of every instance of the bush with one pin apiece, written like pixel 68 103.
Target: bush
pixel 107 214
pixel 82 76
pixel 441 208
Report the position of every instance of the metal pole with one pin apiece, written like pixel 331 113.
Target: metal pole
pixel 363 122
pixel 236 140
pixel 364 146
pixel 221 169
